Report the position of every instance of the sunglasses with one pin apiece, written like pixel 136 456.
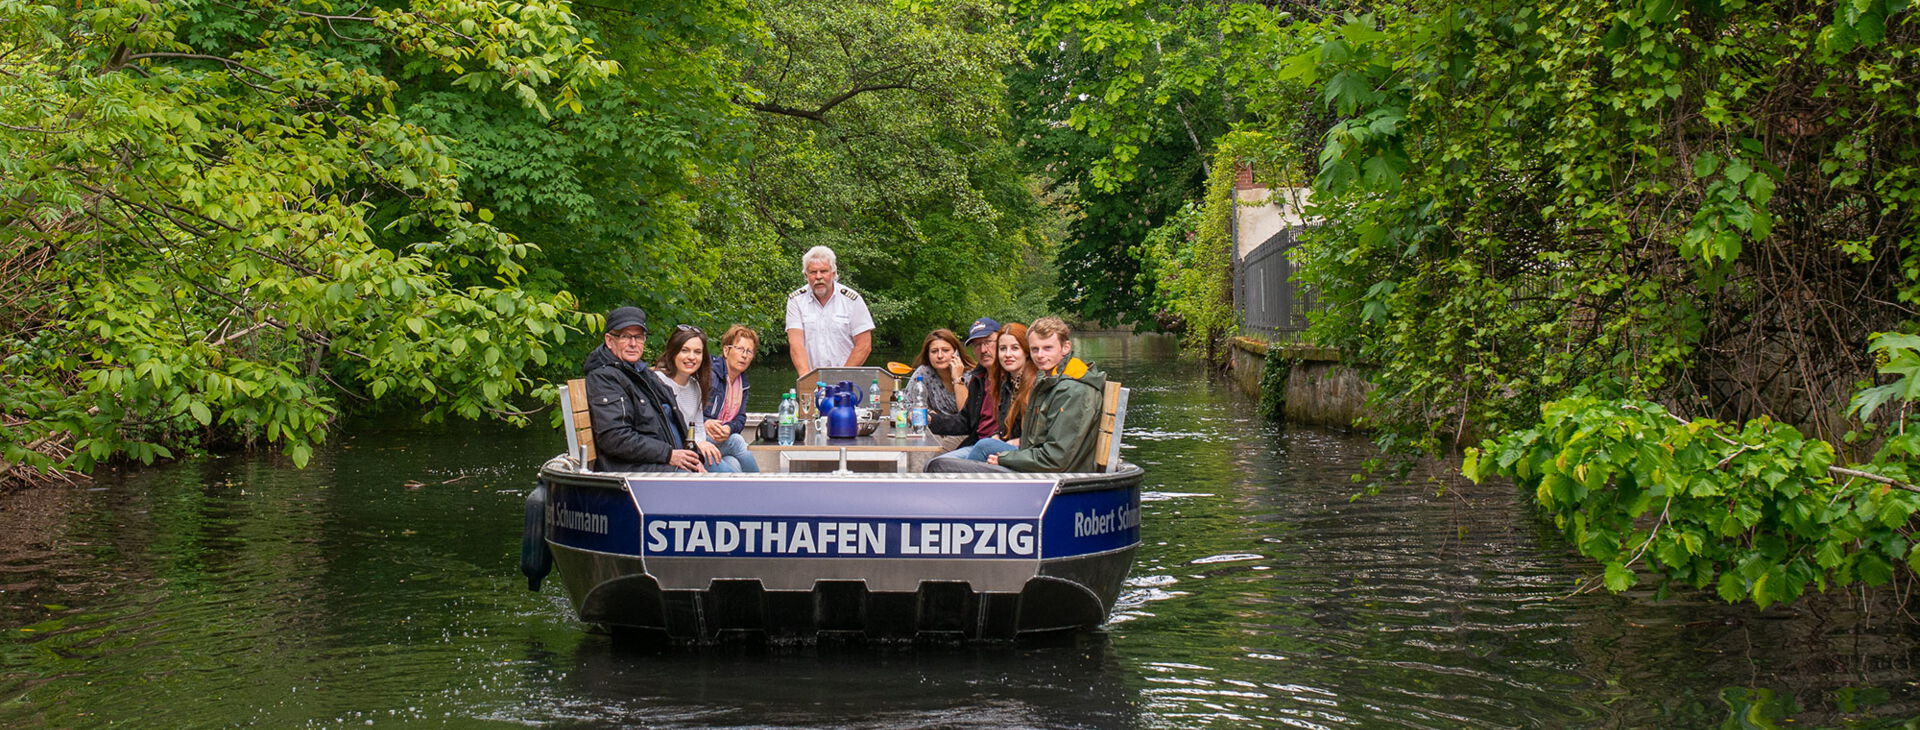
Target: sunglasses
pixel 689 328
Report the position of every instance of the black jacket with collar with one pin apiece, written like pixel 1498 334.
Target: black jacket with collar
pixel 635 424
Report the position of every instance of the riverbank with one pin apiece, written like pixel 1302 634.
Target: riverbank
pixel 1300 383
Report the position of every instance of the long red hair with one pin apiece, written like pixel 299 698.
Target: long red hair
pixel 1009 414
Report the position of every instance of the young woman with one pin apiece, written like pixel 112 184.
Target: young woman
pixel 1009 384
pixel 684 368
pixel 726 413
pixel 943 365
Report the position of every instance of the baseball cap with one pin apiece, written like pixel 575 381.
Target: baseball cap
pixel 981 328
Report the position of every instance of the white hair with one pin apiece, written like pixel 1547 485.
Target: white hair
pixel 820 253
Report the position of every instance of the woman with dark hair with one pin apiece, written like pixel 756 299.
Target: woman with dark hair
pixel 942 366
pixel 683 367
pixel 1009 385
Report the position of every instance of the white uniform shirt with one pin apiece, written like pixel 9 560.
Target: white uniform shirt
pixel 831 327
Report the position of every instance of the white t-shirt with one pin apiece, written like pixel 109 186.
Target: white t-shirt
pixel 831 327
pixel 687 399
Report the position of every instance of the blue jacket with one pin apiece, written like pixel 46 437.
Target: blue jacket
pixel 719 397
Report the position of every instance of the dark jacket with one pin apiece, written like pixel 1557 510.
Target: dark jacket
pixel 960 422
pixel 635 424
pixel 1062 422
pixel 718 396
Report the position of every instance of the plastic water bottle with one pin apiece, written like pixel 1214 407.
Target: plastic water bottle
pixel 873 395
pixel 917 405
pixel 899 408
pixel 789 417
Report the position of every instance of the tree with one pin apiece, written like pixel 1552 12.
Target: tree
pixel 880 132
pixel 615 187
pixel 217 228
pixel 1122 110
pixel 1643 247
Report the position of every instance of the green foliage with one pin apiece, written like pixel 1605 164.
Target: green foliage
pixel 1275 371
pixel 214 225
pixel 1753 510
pixel 1121 110
pixel 1700 205
pixel 880 131
pixel 1190 257
pixel 222 219
pixel 1523 197
pixel 616 187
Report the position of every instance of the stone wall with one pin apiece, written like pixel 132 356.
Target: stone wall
pixel 1320 388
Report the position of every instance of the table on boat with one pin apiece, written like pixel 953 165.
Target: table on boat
pixel 880 452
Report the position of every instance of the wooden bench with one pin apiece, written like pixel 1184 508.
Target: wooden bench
pixel 1113 419
pixel 578 424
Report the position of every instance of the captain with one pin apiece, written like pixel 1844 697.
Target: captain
pixel 828 324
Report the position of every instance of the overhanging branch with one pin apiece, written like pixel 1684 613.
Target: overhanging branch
pixel 820 114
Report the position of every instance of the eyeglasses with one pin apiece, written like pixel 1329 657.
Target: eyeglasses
pixel 642 337
pixel 740 348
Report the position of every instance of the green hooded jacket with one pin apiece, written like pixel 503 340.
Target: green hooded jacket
pixel 1061 430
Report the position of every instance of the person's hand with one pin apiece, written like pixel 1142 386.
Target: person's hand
pixel 718 430
pixel 993 459
pixel 1014 443
pixel 956 370
pixel 708 452
pixel 685 460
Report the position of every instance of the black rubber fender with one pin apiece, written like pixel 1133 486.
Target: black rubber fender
pixel 536 559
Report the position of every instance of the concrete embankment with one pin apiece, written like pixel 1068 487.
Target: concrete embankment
pixel 1313 384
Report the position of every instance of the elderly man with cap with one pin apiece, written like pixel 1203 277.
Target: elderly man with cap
pixel 828 325
pixel 635 424
pixel 976 417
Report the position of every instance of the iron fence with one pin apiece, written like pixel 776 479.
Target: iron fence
pixel 1271 303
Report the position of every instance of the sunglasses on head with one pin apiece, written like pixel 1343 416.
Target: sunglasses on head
pixel 689 328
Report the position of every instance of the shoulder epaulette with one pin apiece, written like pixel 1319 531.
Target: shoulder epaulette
pixel 849 293
pixel 797 292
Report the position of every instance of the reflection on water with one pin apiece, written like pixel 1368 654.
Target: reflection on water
pixel 379 586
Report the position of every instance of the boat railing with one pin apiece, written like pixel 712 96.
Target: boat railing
pixel 578 425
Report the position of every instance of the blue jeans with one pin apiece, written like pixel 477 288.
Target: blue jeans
pixel 734 457
pixel 980 450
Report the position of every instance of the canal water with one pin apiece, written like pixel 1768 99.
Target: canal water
pixel 379 586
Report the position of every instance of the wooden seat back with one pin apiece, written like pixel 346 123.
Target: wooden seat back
pixel 578 423
pixel 1113 419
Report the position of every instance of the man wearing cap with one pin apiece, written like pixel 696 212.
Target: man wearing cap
pixel 976 417
pixel 1061 425
pixel 828 325
pixel 635 424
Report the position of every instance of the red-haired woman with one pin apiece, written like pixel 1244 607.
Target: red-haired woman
pixel 1010 381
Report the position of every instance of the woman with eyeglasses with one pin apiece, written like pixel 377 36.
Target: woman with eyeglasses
pixel 684 368
pixel 726 414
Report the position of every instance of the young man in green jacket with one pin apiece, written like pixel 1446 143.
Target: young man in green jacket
pixel 1061 430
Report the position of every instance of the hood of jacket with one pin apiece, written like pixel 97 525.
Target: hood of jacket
pixel 1077 370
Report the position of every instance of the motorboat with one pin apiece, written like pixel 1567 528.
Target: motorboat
pixel 836 548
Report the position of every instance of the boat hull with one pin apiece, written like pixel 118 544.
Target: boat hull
pixel 802 557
